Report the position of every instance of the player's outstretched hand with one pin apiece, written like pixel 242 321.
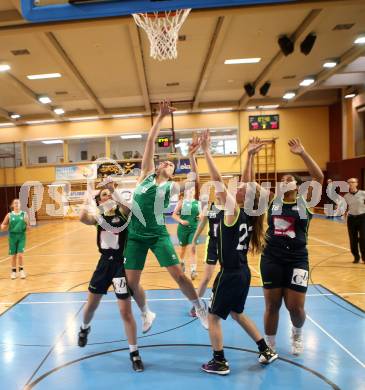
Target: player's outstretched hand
pixel 166 108
pixel 255 145
pixel 296 146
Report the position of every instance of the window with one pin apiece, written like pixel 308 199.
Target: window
pixel 41 153
pixel 127 148
pixel 86 149
pixel 223 141
pixel 10 155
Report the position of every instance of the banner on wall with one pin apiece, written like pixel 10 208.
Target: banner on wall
pixel 76 172
pixel 182 166
pixel 263 122
pixel 122 168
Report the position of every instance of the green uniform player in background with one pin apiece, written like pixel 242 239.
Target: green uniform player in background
pixel 187 214
pixel 16 223
pixel 147 229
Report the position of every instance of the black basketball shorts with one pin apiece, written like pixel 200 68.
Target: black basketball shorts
pixel 110 271
pixel 230 292
pixel 284 273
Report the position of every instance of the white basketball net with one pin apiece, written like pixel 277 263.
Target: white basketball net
pixel 162 32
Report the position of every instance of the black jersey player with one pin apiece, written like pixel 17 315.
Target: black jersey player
pixel 236 232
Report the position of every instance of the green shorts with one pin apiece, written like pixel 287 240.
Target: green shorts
pixel 136 251
pixel 16 243
pixel 185 234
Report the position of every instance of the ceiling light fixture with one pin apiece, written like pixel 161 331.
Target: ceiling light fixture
pixel 59 111
pixel 350 95
pixel 269 107
pixel 14 116
pixel 44 99
pixel 360 40
pixel 44 76
pixel 289 95
pixel 127 116
pixel 41 121
pixel 235 61
pixel 84 118
pixel 4 67
pixel 307 82
pixel 52 142
pixel 131 136
pixel 330 63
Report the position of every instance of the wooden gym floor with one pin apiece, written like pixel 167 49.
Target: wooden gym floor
pixel 61 256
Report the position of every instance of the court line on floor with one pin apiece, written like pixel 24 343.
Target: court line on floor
pixel 336 341
pixel 329 243
pixel 45 242
pixel 161 299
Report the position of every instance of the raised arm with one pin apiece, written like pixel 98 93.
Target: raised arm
pixel 254 146
pixel 222 194
pixel 315 171
pixel 5 223
pixel 148 165
pixel 85 217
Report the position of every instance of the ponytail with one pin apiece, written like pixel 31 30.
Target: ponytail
pixel 257 238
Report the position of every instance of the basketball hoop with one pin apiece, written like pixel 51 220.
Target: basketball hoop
pixel 162 29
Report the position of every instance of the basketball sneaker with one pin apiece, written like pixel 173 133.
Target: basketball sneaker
pixel 296 344
pixel 147 320
pixel 267 356
pixel 82 341
pixel 136 360
pixel 22 274
pixel 202 314
pixel 13 275
pixel 216 367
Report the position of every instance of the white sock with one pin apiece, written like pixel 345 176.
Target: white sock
pixel 133 348
pixel 85 326
pixel 197 303
pixel 270 339
pixel 145 309
pixel 296 331
pixel 193 267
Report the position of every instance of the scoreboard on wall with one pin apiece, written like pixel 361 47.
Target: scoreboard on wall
pixel 263 122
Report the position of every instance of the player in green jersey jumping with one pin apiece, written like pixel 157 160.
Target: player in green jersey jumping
pixel 151 197
pixel 16 223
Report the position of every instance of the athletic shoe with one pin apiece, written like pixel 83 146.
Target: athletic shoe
pixel 192 312
pixel 183 266
pixel 83 336
pixel 22 274
pixel 216 367
pixel 267 356
pixel 193 275
pixel 202 314
pixel 13 275
pixel 356 261
pixel 297 344
pixel 147 320
pixel 136 360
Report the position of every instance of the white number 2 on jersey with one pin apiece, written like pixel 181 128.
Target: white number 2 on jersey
pixel 242 237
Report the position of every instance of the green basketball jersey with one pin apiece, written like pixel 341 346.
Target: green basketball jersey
pixel 149 200
pixel 17 222
pixel 190 211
